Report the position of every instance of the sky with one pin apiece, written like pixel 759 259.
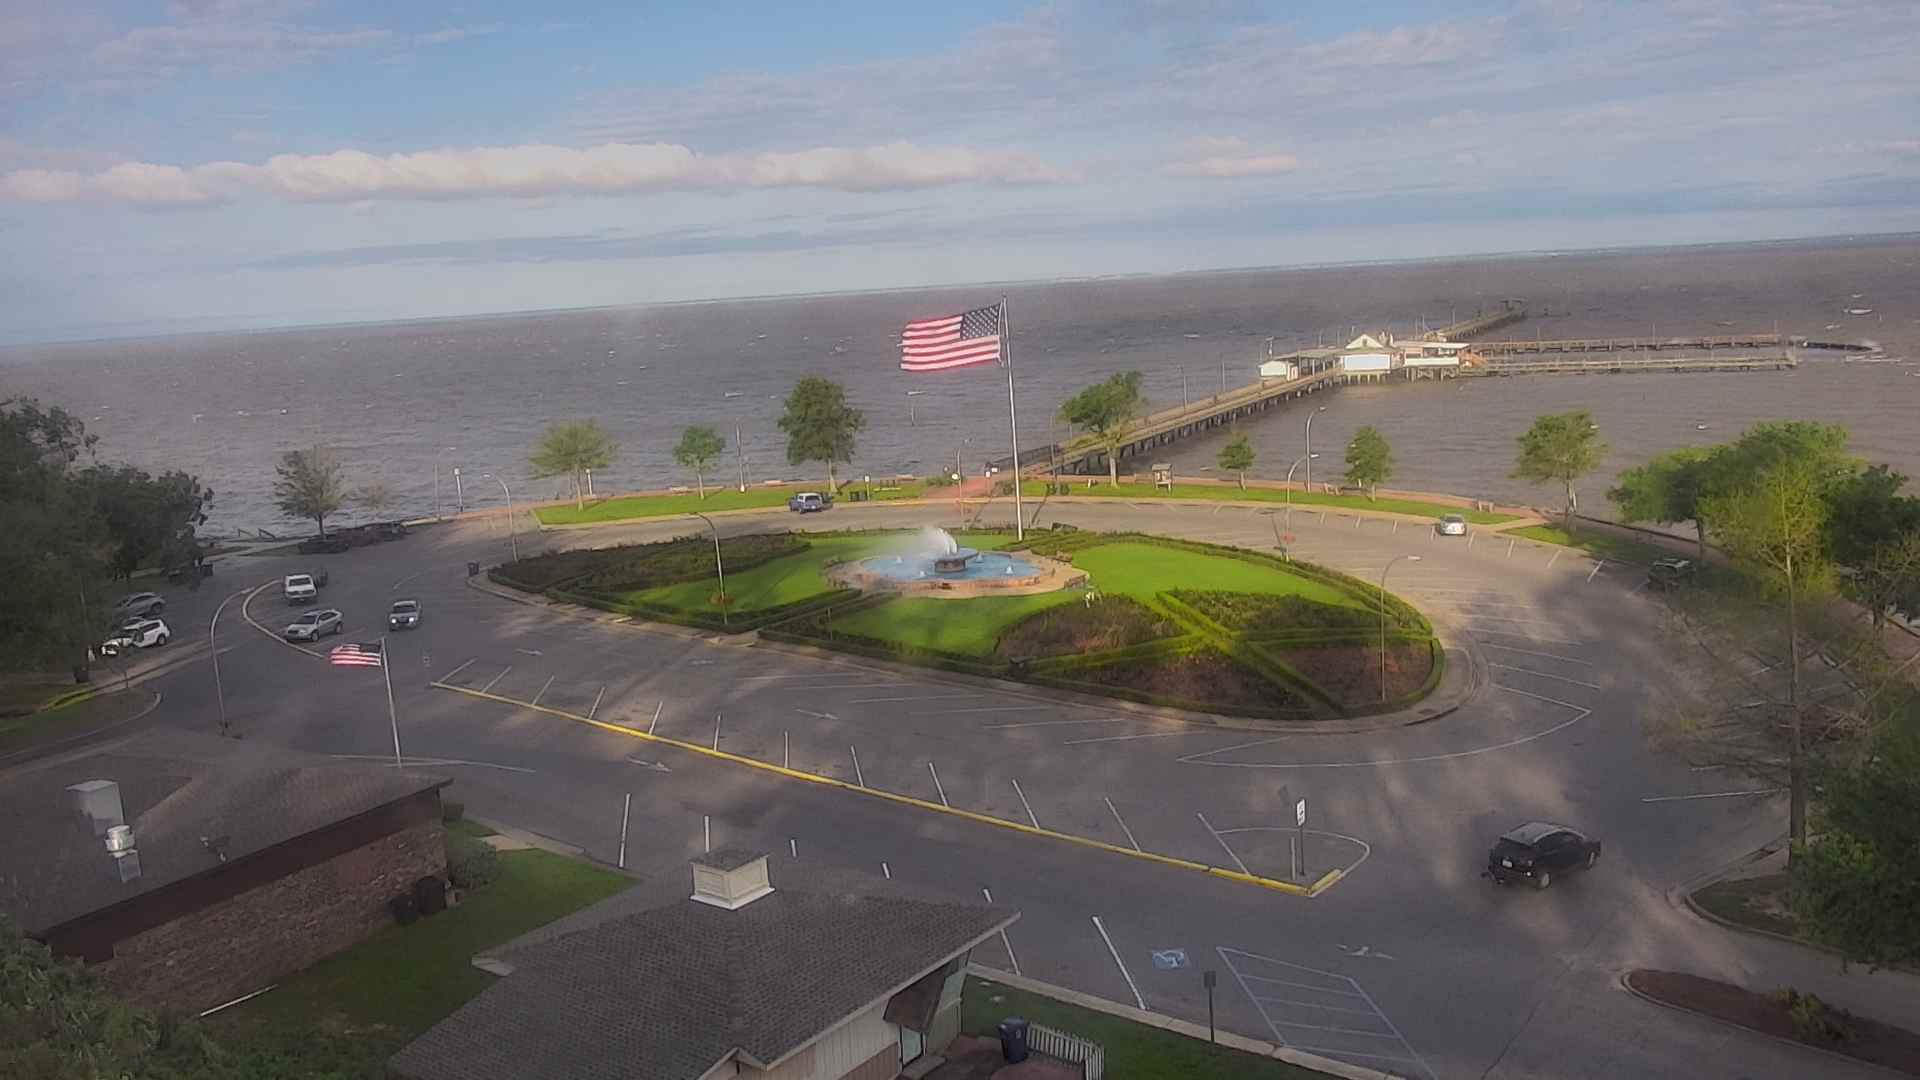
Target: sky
pixel 232 164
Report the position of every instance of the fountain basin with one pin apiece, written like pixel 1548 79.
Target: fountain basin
pixel 959 573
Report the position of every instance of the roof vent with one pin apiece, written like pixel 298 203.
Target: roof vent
pixel 119 839
pixel 99 802
pixel 730 877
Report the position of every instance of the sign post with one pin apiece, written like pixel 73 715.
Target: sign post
pixel 1300 822
pixel 1209 979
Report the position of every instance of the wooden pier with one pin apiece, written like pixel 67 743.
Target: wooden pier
pixel 1609 365
pixel 1511 311
pixel 1085 456
pixel 1631 344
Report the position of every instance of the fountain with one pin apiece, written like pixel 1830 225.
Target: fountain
pixel 939 565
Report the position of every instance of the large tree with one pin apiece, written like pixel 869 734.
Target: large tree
pixel 1237 457
pixel 1856 887
pixel 1104 410
pixel 1560 448
pixel 310 483
pixel 820 425
pixel 1369 460
pixel 1774 524
pixel 697 448
pixel 54 547
pixel 1668 489
pixel 570 448
pixel 148 519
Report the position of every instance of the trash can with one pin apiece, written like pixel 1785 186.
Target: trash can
pixel 473 569
pixel 430 895
pixel 405 910
pixel 1013 1040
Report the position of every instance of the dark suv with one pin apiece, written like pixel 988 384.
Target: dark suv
pixel 1538 850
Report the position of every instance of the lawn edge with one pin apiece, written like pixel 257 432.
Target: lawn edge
pixel 1626 983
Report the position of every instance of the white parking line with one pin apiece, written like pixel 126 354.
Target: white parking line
pixel 458 670
pixel 1713 795
pixel 496 678
pixel 543 690
pixel 1123 825
pixel 1544 675
pixel 1098 925
pixel 596 702
pixel 1479 616
pixel 937 785
pixel 1002 708
pixel 1530 637
pixel 1012 959
pixel 1530 652
pixel 1025 803
pixel 1334 984
pixel 1223 844
pixel 656 717
pixel 1144 735
pixel 773 678
pixel 858 776
pixel 387 760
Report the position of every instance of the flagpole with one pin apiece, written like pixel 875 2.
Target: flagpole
pixel 386 669
pixel 1013 421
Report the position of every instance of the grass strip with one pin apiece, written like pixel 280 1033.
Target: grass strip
pixel 1208 492
pixel 1599 544
pixel 1133 1050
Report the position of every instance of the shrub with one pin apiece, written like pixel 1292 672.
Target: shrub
pixel 1110 622
pixel 1813 1020
pixel 471 862
pixel 451 811
pixel 1260 614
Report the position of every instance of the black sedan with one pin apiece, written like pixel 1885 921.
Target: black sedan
pixel 1537 851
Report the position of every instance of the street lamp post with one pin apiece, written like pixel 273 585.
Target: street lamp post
pixel 1309 447
pixel 213 648
pixel 719 569
pixel 1383 620
pixel 513 535
pixel 1289 485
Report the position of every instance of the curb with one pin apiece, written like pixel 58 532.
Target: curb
pixel 534 839
pixel 1849 1058
pixel 246 612
pixel 28 753
pixel 1164 1022
pixel 1409 717
pixel 1684 893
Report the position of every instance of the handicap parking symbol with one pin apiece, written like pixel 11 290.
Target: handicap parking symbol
pixel 1169 959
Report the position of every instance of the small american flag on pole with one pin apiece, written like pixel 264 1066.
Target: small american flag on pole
pixel 351 655
pixel 952 341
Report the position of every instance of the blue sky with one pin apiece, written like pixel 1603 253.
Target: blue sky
pixel 213 164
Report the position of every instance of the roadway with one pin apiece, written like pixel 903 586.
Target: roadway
pixel 1409 962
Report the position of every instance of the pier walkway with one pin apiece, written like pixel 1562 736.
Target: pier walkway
pixel 1595 365
pixel 1631 344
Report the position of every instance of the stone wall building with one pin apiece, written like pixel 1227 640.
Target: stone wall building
pixel 191 869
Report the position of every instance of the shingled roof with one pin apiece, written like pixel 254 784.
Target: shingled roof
pixel 175 788
pixel 651 983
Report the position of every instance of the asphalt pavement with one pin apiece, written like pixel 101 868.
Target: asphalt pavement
pixel 1407 961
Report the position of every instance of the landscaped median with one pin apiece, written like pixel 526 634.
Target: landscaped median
pixel 1161 621
pixel 668 504
pixel 1095 488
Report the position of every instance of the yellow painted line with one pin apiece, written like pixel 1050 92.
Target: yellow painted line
pixel 1287 887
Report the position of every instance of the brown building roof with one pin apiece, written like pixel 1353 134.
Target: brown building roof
pixel 650 983
pixel 176 787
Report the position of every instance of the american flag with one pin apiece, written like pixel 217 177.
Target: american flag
pixel 351 655
pixel 951 341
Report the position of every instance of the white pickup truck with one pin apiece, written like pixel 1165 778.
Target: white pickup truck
pixel 301 589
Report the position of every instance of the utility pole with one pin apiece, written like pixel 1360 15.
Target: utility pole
pixel 740 450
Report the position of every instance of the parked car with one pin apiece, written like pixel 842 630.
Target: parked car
pixel 313 625
pixel 323 545
pixel 300 589
pixel 1453 525
pixel 403 615
pixel 1538 850
pixel 1669 574
pixel 136 634
pixel 140 605
pixel 808 502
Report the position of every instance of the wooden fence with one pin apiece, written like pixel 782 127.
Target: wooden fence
pixel 1069 1048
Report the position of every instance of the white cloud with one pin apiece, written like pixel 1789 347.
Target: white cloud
pixel 534 170
pixel 1227 158
pixel 459 33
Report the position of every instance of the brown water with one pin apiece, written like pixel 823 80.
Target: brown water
pixel 409 401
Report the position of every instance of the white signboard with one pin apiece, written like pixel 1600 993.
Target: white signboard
pixel 1300 813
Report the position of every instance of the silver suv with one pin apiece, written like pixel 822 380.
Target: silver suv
pixel 313 625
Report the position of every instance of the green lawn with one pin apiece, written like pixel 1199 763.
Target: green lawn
pixel 1759 902
pixel 970 627
pixel 1144 570
pixel 1603 545
pixel 404 979
pixel 108 707
pixel 1414 507
pixel 789 579
pixel 718 498
pixel 1133 1051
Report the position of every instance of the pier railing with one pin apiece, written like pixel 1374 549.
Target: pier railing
pixel 1631 344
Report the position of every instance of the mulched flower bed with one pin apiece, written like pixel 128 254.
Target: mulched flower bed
pixel 1206 677
pixel 1111 622
pixel 1350 674
pixel 1258 613
pixel 1771 1014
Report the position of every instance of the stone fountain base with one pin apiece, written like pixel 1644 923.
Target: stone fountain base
pixel 1051 576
